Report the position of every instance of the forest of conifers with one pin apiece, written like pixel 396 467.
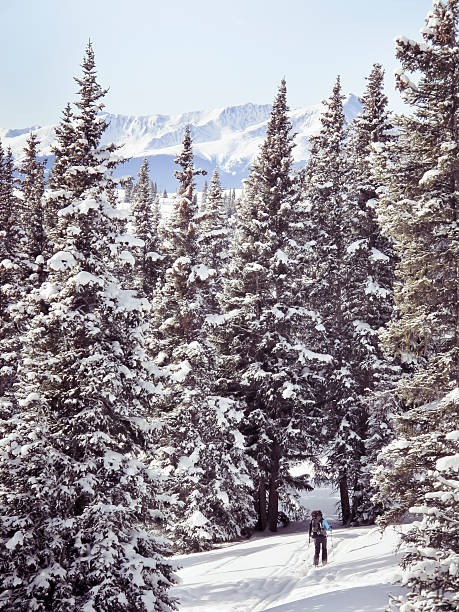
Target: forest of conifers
pixel 161 375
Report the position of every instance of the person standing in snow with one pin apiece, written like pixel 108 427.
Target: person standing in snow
pixel 318 528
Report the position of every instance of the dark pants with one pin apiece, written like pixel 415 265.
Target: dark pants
pixel 320 540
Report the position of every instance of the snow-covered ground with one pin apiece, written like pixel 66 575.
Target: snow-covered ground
pixel 275 572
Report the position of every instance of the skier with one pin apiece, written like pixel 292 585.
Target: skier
pixel 318 528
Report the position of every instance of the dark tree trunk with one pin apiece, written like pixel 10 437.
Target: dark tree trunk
pixel 273 505
pixel 261 507
pixel 344 495
pixel 356 501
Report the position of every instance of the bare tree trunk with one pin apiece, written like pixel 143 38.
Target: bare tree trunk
pixel 344 495
pixel 261 507
pixel 273 505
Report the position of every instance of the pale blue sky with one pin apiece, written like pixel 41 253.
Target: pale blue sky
pixel 173 56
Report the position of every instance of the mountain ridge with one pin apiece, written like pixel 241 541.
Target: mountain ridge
pixel 225 137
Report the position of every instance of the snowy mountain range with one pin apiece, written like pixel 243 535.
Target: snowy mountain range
pixel 227 138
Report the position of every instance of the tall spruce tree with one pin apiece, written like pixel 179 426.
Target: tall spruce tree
pixel 418 472
pixel 78 500
pixel 11 282
pixel 201 450
pixel 261 344
pixel 65 137
pixel 89 160
pixel 128 188
pixel 368 304
pixel 146 217
pixel 59 195
pixel 203 202
pixel 326 193
pixel 213 238
pixel 32 187
pixel 350 291
pixel 418 212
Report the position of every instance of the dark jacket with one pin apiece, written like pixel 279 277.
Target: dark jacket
pixel 324 526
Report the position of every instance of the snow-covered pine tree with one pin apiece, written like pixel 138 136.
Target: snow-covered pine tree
pixel 76 150
pixel 369 264
pixel 213 238
pixel 326 192
pixel 260 339
pixel 79 162
pixel 57 196
pixel 153 189
pixel 229 201
pixel 432 546
pixel 32 187
pixel 418 472
pixel 202 206
pixel 146 217
pixel 78 502
pixel 89 126
pixel 11 282
pixel 404 472
pixel 202 452
pixel 128 185
pixel 418 212
pixel 179 232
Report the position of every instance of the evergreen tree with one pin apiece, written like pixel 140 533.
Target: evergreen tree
pixel 326 185
pixel 89 160
pixel 233 200
pixel 32 187
pixel 350 291
pixel 368 304
pixel 214 238
pixel 57 195
pixel 180 230
pixel 78 500
pixel 202 451
pixel 432 545
pixel 261 345
pixel 65 137
pixel 145 214
pixel 418 212
pixel 11 277
pixel 418 473
pixel 204 196
pixel 128 189
pixel 153 190
pixel 10 206
pixel 405 473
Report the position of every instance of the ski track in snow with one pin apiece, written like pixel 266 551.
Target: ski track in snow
pixel 274 573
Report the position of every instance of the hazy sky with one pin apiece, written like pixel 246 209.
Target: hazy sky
pixel 172 56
